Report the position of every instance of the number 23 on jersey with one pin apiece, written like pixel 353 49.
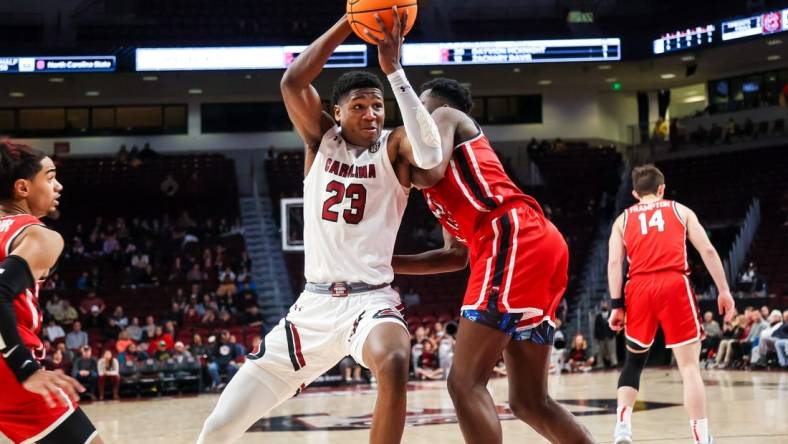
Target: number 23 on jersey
pixel 338 193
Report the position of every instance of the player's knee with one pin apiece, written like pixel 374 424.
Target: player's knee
pixel 633 367
pixel 528 407
pixel 460 382
pixel 392 367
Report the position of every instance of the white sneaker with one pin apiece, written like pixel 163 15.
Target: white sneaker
pixel 622 434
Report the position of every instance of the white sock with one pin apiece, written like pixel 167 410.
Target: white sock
pixel 700 430
pixel 624 415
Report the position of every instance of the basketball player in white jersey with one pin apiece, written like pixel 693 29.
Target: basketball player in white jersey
pixel 357 176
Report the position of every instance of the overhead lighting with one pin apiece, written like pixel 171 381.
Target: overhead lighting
pixel 56 80
pixel 248 77
pixel 517 70
pixel 691 93
pixel 544 82
pixel 436 72
pixel 695 99
pixel 150 78
pixel 92 93
pixel 611 79
pixel 604 67
pixel 195 91
pixel 668 75
pixel 774 42
pixel 774 57
pixel 16 94
pixel 687 58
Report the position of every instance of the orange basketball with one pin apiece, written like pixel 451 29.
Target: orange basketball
pixel 361 15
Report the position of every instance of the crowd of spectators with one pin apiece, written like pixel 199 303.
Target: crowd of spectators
pixel 756 338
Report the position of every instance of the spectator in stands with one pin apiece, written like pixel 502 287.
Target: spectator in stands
pixel 177 270
pixel 169 186
pixel 54 331
pixel 134 330
pixel 195 274
pixel 428 365
pixel 180 354
pixel 446 354
pixel 123 341
pixel 149 329
pixel 197 348
pixel 83 282
pixel 222 360
pixel 94 319
pixel 132 354
pixel 85 371
pixel 70 314
pixel 252 317
pixel 438 332
pixel 578 358
pixel 120 318
pixel 765 312
pixel 77 338
pixel 90 301
pixel 759 325
pixel 226 282
pixel 162 353
pixel 713 332
pixel 350 370
pixel 54 307
pixel 108 370
pixel 224 319
pixel 239 348
pixel 605 338
pixel 411 297
pixel 781 341
pixel 765 343
pixel 191 317
pixel 731 333
pixel 111 246
pixel 660 133
pixel 748 279
pixel 175 314
pixel 558 352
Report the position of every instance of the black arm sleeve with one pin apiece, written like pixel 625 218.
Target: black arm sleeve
pixel 15 277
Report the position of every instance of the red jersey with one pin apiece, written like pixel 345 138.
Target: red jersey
pixel 655 238
pixel 28 315
pixel 473 185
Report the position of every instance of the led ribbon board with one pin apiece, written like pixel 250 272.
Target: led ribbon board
pixel 240 57
pixel 762 24
pixel 524 51
pixel 64 64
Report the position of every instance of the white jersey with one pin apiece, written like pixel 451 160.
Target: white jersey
pixel 353 206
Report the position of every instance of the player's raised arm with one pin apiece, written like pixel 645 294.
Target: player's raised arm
pixel 301 98
pixel 452 257
pixel 711 259
pixel 615 273
pixel 424 149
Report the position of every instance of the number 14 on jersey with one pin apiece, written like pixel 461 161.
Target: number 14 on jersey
pixel 655 221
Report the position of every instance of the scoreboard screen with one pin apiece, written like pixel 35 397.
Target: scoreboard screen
pixel 239 57
pixel 500 52
pixel 685 39
pixel 762 24
pixel 69 64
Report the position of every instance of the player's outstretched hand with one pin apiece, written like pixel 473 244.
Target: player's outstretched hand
pixel 725 305
pixel 47 383
pixel 616 319
pixel 390 46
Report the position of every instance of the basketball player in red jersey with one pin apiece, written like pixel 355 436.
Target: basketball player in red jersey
pixel 518 275
pixel 652 234
pixel 36 405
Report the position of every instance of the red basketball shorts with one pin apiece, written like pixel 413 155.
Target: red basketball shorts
pixel 664 299
pixel 25 416
pixel 519 264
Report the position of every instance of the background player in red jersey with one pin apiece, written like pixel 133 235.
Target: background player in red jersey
pixel 518 275
pixel 652 235
pixel 36 405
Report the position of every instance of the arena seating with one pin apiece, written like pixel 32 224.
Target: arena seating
pixel 105 188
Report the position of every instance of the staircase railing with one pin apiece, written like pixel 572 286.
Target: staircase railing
pixel 737 255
